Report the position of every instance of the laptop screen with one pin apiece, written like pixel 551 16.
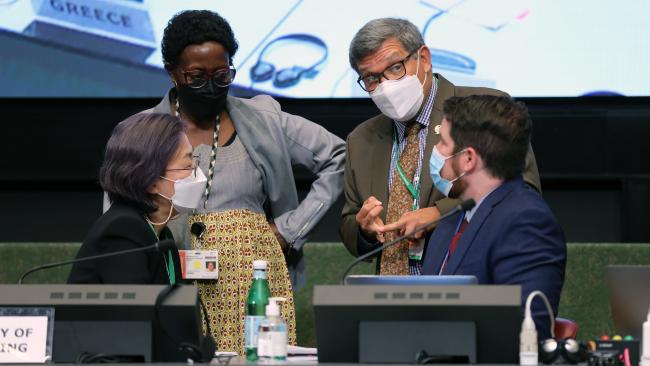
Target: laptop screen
pixel 629 297
pixel 410 280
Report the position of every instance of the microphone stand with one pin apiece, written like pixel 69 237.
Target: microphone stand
pixel 161 245
pixel 463 206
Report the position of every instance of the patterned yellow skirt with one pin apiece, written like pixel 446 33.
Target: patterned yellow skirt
pixel 240 236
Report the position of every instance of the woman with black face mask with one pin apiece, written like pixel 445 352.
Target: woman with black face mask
pixel 247 147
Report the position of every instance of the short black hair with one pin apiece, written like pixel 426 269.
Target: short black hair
pixel 192 27
pixel 497 127
pixel 137 154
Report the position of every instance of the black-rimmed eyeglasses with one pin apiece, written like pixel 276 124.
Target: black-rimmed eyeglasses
pixel 196 79
pixel 395 71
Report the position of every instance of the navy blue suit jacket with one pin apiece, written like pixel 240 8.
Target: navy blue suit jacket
pixel 512 238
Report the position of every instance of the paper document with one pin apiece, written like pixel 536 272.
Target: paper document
pixel 301 351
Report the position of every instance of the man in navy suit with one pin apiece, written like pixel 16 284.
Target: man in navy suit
pixel 510 236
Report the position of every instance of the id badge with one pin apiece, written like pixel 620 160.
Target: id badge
pixel 416 249
pixel 199 264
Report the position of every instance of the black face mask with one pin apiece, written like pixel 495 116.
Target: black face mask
pixel 203 104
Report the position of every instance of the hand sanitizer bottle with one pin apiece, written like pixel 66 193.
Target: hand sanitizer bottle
pixel 272 335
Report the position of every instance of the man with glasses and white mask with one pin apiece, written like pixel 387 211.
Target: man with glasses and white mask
pixel 387 185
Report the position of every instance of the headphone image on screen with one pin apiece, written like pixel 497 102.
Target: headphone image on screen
pixel 284 78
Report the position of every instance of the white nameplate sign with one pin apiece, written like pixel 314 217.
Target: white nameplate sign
pixel 112 18
pixel 23 339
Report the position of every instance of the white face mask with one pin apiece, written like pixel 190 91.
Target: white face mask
pixel 400 100
pixel 187 191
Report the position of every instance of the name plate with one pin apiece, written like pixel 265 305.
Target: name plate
pixel 26 335
pixel 120 18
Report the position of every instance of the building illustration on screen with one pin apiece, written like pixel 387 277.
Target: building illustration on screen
pixel 116 28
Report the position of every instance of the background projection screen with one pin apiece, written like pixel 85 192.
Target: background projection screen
pixel 111 48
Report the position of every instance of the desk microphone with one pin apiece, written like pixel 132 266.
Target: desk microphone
pixel 463 206
pixel 160 245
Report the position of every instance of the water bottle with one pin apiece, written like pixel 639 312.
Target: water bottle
pixel 258 298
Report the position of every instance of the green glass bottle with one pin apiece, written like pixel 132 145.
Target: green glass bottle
pixel 258 298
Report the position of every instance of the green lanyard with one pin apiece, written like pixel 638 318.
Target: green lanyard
pixel 413 189
pixel 170 261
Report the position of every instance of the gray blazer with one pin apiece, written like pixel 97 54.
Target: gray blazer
pixel 276 141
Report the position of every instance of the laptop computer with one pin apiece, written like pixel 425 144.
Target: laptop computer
pixel 411 280
pixel 629 297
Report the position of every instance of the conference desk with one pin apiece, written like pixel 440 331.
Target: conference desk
pixel 242 361
pixel 350 320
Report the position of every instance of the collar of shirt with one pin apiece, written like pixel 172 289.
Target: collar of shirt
pixel 425 113
pixel 470 213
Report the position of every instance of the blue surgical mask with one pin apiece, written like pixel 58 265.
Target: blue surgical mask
pixel 436 163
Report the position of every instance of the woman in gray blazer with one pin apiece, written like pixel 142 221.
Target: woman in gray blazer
pixel 247 148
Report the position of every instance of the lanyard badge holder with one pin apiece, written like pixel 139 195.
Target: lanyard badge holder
pixel 199 264
pixel 415 249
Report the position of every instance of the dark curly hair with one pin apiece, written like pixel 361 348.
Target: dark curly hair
pixel 195 27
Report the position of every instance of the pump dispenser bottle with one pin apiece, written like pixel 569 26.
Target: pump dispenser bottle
pixel 272 335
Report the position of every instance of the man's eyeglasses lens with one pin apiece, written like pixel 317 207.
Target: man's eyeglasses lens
pixel 395 71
